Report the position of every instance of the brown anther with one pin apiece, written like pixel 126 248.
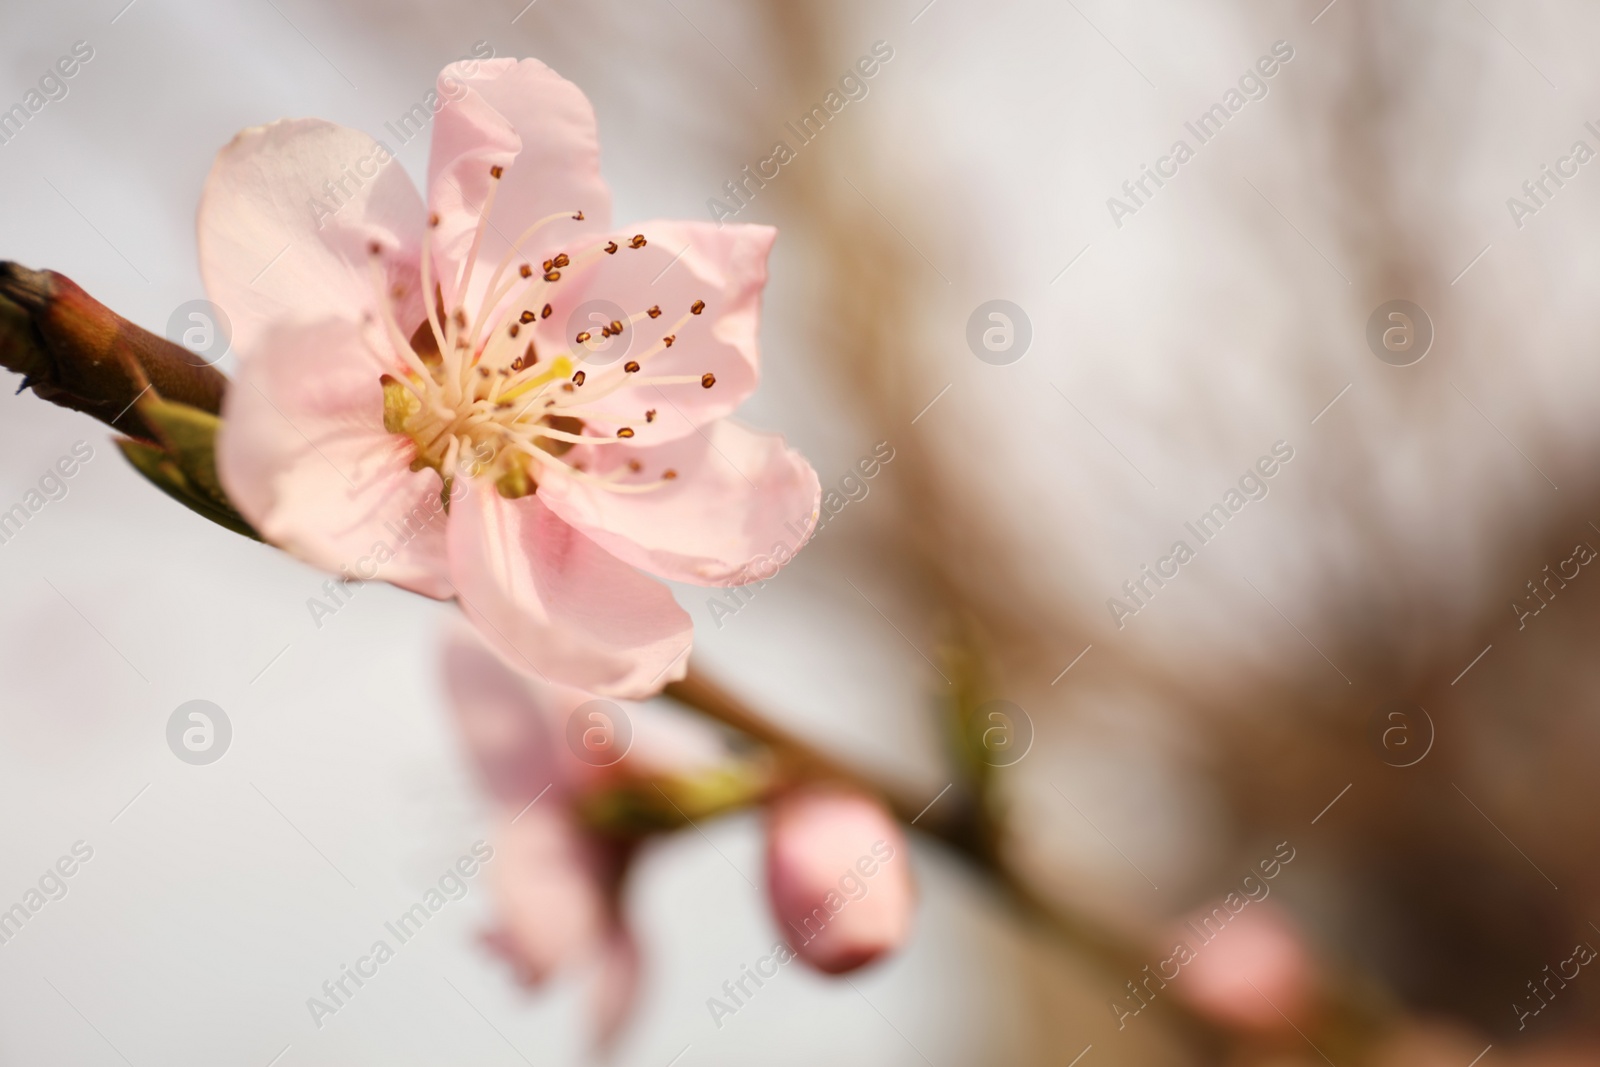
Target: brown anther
pixel 433 219
pixel 635 466
pixel 616 327
pixel 525 317
pixel 496 171
pixel 632 366
pixel 626 431
pixel 697 307
pixel 552 276
pixel 582 337
pixel 374 248
pixel 514 330
pixel 611 248
pixel 650 416
pixel 668 474
pixel 707 380
pixel 655 312
pixel 578 217
pixel 526 271
pixel 461 319
pixel 577 379
pixel 638 241
pixel 483 372
pixel 397 292
pixel 562 260
pixel 566 387
pixel 605 331
pixel 667 340
pixel 549 263
pixel 545 314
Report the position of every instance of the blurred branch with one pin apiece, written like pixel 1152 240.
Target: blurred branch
pixel 801 762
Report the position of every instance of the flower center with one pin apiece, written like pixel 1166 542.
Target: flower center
pixel 474 395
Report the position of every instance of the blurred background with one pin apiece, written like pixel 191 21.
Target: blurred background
pixel 1157 339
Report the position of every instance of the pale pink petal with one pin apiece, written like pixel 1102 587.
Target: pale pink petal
pixel 553 602
pixel 510 723
pixel 839 877
pixel 302 453
pixel 741 505
pixel 1255 974
pixel 516 728
pixel 682 263
pixel 286 219
pixel 616 987
pixel 525 118
pixel 548 885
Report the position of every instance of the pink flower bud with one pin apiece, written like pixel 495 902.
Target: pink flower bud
pixel 1256 974
pixel 839 875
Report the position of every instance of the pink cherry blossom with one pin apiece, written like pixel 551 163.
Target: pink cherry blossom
pixel 839 877
pixel 557 886
pixel 550 424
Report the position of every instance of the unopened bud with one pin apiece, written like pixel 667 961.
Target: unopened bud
pixel 77 353
pixel 839 875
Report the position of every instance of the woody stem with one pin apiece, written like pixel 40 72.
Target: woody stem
pixel 801 762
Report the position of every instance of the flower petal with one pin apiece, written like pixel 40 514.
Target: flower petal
pixel 548 598
pixel 524 117
pixel 510 722
pixel 550 897
pixel 741 505
pixel 615 990
pixel 286 219
pixel 682 263
pixel 303 455
pixel 839 876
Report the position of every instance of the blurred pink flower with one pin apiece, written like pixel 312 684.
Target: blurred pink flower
pixel 1256 975
pixel 518 423
pixel 839 876
pixel 557 886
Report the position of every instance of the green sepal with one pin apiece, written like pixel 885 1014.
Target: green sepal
pixel 189 437
pixel 182 461
pixel 641 806
pixel 167 476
